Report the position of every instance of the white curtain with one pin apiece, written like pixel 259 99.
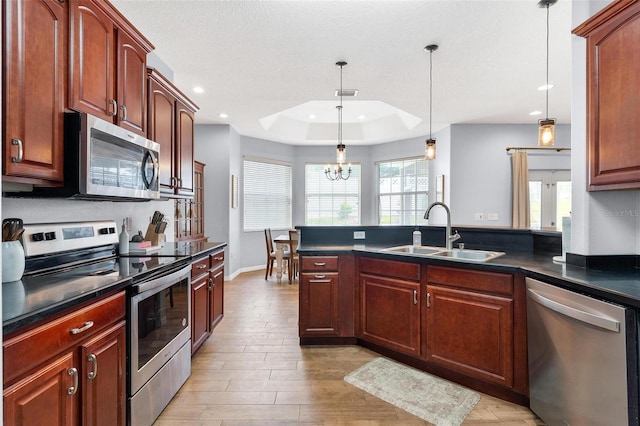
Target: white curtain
pixel 520 190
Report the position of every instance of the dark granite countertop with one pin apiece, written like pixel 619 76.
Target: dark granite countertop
pixel 618 285
pixel 34 298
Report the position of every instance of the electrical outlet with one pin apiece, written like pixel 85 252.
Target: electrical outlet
pixel 358 235
pixel 492 216
pixel 479 216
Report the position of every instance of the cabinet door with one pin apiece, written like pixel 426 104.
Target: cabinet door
pixel 48 396
pixel 92 73
pixel 471 333
pixel 132 85
pixel 318 307
pixel 162 130
pixel 217 296
pixel 185 125
pixel 35 37
pixel 199 312
pixel 104 378
pixel 390 313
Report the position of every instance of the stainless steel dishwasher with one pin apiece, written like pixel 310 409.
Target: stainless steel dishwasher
pixel 583 358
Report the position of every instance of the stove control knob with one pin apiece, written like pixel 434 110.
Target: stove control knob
pixel 38 236
pixel 49 236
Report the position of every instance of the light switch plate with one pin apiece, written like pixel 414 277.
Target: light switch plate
pixel 492 216
pixel 358 235
pixel 479 216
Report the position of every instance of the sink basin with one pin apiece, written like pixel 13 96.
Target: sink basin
pixel 474 255
pixel 416 250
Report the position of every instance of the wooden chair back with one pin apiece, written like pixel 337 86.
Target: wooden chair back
pixel 293 236
pixel 269 241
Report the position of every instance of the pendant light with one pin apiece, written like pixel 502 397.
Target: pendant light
pixel 430 150
pixel 336 173
pixel 547 126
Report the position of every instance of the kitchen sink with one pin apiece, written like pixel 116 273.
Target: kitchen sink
pixel 460 254
pixel 474 255
pixel 416 250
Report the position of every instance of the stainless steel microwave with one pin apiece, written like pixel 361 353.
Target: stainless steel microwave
pixel 105 161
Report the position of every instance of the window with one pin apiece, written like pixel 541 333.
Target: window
pixel 331 202
pixel 549 198
pixel 403 191
pixel 267 194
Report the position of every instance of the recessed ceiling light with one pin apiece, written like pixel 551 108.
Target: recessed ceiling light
pixel 223 115
pixel 198 89
pixel 535 112
pixel 545 87
pixel 362 117
pixel 312 116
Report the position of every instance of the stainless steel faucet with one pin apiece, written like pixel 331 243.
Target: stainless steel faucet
pixel 449 239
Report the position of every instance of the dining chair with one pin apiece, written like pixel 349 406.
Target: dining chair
pixel 271 254
pixel 294 261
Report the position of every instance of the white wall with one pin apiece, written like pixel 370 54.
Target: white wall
pixel 604 222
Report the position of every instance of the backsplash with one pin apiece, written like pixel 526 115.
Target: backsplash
pixel 44 210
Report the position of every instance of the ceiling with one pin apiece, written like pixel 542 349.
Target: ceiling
pixel 271 64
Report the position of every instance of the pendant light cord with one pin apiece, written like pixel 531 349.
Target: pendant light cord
pixel 547 102
pixel 430 89
pixel 340 111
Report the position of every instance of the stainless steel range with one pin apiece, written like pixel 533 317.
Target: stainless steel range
pixel 159 304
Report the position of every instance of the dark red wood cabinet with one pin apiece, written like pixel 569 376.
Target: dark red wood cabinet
pixel 207 297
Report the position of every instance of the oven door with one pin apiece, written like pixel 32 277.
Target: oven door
pixel 160 323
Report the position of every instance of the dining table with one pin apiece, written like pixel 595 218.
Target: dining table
pixel 282 242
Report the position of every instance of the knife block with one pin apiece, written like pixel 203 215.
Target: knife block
pixel 155 238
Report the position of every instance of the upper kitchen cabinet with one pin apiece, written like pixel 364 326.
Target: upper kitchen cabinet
pixel 34 85
pixel 108 72
pixel 613 84
pixel 172 125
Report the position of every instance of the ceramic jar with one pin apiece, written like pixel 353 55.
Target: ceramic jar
pixel 12 261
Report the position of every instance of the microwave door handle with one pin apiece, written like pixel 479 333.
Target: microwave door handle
pixel 149 180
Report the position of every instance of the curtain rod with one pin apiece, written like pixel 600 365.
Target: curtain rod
pixel 525 148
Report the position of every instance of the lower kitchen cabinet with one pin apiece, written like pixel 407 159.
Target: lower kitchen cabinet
pixel 71 370
pixel 326 307
pixel 390 306
pixel 207 297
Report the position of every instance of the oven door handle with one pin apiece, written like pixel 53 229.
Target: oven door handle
pixel 163 281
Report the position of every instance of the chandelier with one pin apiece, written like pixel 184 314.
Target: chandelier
pixel 337 172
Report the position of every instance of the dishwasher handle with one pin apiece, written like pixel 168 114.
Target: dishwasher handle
pixel 577 314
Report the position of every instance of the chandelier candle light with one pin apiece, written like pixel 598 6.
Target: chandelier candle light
pixel 547 126
pixel 341 157
pixel 430 150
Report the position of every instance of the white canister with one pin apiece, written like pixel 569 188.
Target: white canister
pixel 12 261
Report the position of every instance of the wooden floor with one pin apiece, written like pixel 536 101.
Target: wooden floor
pixel 252 371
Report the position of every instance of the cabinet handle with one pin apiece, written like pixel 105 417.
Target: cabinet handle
pixel 428 300
pixel 20 156
pixel 218 258
pixel 319 276
pixel 73 389
pixel 210 281
pixel 319 263
pixel 124 113
pixel 87 325
pixel 415 297
pixel 93 360
pixel 201 266
pixel 114 110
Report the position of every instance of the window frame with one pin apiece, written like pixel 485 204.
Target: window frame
pixel 287 195
pixel 307 194
pixel 419 216
pixel 549 179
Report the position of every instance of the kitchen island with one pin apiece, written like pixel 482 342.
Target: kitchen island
pixel 463 320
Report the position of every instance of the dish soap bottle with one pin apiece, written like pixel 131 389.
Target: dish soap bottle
pixel 124 239
pixel 417 238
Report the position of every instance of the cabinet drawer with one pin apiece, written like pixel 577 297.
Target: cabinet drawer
pixel 199 267
pixel 216 259
pixel 491 282
pixel 319 263
pixel 23 352
pixel 390 268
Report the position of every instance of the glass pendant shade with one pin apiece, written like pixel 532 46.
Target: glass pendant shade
pixel 341 154
pixel 430 150
pixel 547 132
